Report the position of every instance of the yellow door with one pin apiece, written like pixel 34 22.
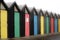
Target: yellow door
pixel 58 25
pixel 42 24
pixel 3 24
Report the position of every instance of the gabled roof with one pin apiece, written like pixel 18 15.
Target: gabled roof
pixel 15 5
pixel 4 4
pixel 34 10
pixel 25 7
pixel 46 13
pixel 9 4
pixel 41 12
pixel 55 15
pixel 51 14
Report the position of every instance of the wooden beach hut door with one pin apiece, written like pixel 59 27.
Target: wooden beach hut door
pixel 3 22
pixel 16 23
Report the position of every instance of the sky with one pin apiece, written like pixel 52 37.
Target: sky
pixel 49 5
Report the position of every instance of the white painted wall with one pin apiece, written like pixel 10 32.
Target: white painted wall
pixel 50 5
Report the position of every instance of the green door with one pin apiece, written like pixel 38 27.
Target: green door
pixel 47 24
pixel 17 24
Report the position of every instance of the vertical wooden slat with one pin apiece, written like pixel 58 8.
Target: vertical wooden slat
pixel 27 31
pixel 58 25
pixel 47 24
pixel 42 24
pixel 35 25
pixel 3 24
pixel 17 24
